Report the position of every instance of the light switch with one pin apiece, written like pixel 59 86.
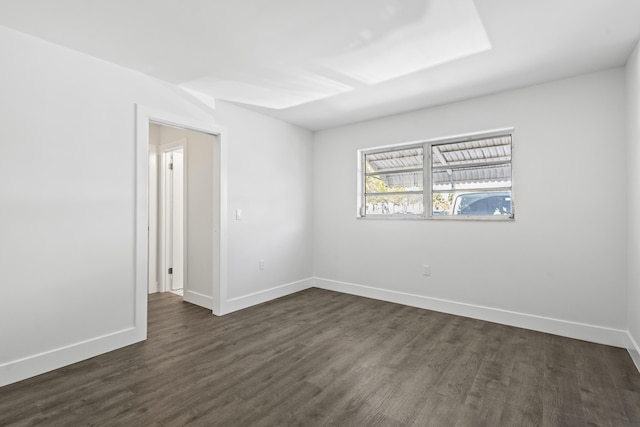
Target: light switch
pixel 238 214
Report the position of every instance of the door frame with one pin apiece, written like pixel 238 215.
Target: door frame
pixel 145 116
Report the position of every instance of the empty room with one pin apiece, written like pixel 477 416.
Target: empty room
pixel 320 213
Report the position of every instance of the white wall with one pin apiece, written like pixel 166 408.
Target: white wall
pixel 272 184
pixel 633 134
pixel 559 267
pixel 67 214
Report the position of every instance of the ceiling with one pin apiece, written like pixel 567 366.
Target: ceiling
pixel 321 64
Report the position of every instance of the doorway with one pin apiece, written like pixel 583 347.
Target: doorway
pixel 211 293
pixel 184 213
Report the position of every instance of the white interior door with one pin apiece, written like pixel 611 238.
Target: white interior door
pixel 177 223
pixel 174 219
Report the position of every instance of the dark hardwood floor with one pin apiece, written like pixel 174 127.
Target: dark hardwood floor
pixel 320 358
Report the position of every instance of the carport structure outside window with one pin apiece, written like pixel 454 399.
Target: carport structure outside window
pixel 463 177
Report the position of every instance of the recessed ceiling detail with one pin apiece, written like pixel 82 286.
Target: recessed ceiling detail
pixel 325 63
pixel 388 43
pixel 446 30
pixel 272 86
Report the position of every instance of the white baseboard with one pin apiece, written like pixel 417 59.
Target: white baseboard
pixel 31 366
pixel 634 351
pixel 198 299
pixel 154 288
pixel 245 301
pixel 581 331
pixel 18 370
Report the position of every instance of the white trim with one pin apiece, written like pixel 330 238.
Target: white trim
pixel 141 225
pixel 198 299
pixel 31 366
pixel 634 351
pixel 220 286
pixel 581 331
pixel 256 298
pixel 44 362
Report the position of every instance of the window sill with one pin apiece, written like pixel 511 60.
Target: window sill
pixel 507 218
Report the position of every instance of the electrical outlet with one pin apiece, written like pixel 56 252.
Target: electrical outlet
pixel 426 270
pixel 261 264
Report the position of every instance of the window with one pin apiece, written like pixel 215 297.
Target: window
pixel 394 182
pixel 462 177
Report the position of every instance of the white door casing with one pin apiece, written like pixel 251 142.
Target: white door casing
pixel 218 302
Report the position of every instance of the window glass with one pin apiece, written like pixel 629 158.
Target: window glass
pixel 394 182
pixel 472 177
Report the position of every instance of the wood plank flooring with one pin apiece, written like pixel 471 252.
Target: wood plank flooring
pixel 320 358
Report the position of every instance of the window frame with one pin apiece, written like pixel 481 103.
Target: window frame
pixel 427 190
